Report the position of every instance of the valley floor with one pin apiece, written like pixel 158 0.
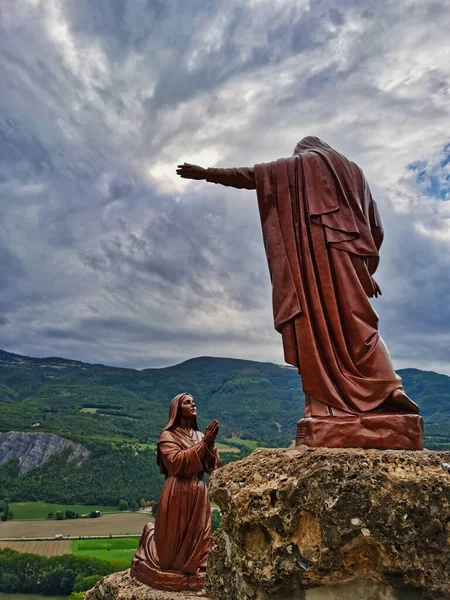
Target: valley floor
pixel 42 547
pixel 107 524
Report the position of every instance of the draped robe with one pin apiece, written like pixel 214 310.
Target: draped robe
pixel 322 233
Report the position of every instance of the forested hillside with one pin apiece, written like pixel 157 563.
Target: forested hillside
pixel 253 400
pixel 118 414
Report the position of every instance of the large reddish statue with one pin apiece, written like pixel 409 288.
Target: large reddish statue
pixel 173 553
pixel 322 233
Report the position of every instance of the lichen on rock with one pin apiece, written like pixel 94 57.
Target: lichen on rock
pixel 302 520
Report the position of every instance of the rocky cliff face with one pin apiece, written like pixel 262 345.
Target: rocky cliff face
pixel 332 523
pixel 34 449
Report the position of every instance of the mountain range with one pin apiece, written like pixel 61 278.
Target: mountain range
pixel 119 413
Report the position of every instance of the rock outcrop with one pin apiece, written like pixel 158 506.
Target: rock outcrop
pixel 34 449
pixel 120 586
pixel 332 523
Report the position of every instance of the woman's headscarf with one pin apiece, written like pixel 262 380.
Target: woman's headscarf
pixel 174 413
pixel 175 410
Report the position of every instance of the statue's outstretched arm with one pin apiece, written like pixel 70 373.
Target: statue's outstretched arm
pixel 241 178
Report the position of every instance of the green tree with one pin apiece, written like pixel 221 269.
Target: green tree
pixel 59 515
pixel 5 509
pixel 134 505
pixel 142 503
pixel 10 582
pixel 57 580
pixel 51 514
pixel 83 583
pixel 123 505
pixel 29 573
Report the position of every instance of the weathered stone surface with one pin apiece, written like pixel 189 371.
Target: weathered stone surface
pixel 34 449
pixel 120 586
pixel 298 521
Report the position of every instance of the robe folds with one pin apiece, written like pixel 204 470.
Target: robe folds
pixel 322 233
pixel 173 553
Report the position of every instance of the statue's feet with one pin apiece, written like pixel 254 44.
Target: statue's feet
pixel 399 401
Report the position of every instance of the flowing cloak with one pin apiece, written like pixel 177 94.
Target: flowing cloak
pixel 322 233
pixel 173 553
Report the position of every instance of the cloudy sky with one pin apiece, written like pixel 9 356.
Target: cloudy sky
pixel 107 257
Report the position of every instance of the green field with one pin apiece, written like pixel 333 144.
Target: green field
pixel 117 550
pixel 221 447
pixel 250 444
pixel 39 510
pixel 144 446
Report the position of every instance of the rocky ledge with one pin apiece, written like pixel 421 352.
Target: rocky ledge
pixel 120 586
pixel 332 523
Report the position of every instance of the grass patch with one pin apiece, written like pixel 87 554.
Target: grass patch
pixel 118 550
pixel 225 448
pixel 34 511
pixel 250 444
pixel 114 439
pixel 144 446
pixel 116 416
pixel 89 409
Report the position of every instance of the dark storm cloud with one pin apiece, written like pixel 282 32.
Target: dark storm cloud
pixel 134 330
pixel 182 248
pixel 108 258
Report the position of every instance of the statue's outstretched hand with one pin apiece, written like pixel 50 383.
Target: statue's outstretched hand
pixel 211 432
pixel 188 171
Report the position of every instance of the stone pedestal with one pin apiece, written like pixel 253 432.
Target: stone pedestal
pixel 372 430
pixel 322 524
pixel 121 586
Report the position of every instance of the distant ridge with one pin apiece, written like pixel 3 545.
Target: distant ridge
pixel 118 413
pixel 253 400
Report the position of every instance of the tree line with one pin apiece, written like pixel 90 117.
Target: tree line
pixel 52 576
pixel 110 474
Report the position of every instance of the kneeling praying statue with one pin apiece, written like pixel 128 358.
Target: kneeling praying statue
pixel 173 552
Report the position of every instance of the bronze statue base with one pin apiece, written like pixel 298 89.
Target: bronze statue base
pixel 387 431
pixel 172 581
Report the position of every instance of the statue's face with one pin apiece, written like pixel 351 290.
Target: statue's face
pixel 188 409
